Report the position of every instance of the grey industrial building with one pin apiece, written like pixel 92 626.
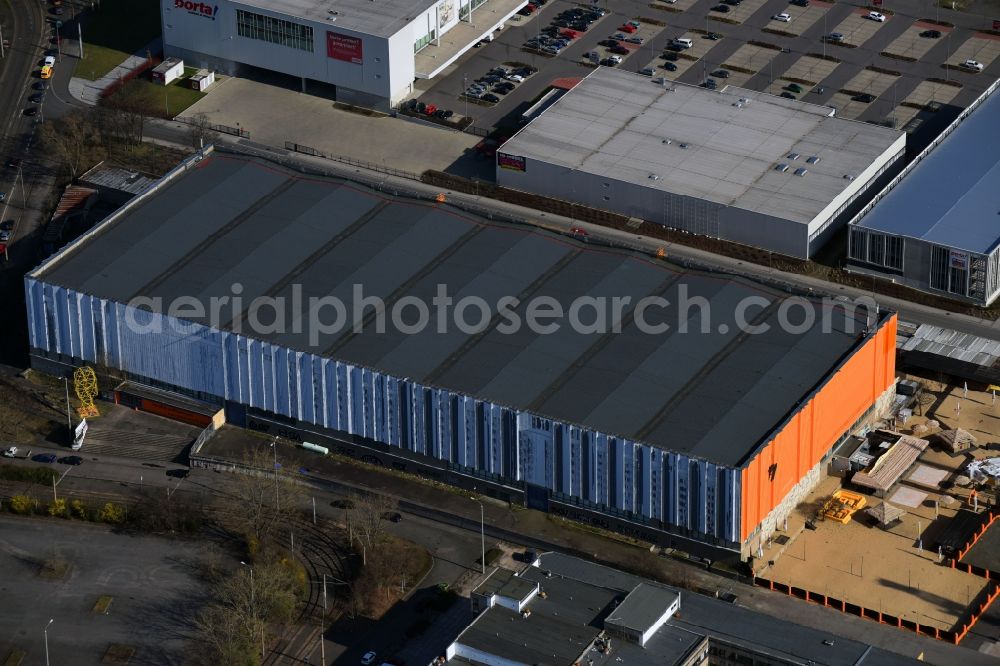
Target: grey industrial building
pixel 579 612
pixel 668 435
pixel 935 227
pixel 734 164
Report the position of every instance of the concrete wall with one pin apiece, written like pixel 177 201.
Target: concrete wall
pixel 690 214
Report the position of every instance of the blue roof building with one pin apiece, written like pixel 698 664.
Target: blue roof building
pixel 936 226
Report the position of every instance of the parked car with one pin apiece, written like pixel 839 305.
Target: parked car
pixel 647 71
pixel 516 78
pixel 733 3
pixel 608 62
pixel 864 97
pixel 722 9
pixel 835 37
pixel 931 34
pixel 10 452
pixel 619 49
pixel 876 16
pixel 37 98
pixel 71 460
pixel 579 233
pixel 794 87
pixel 714 36
pixel 44 457
pixel 491 98
pixel 31 111
pixel 683 43
pixel 368 659
pixel 616 59
pixel 50 61
pixel 972 65
pixel 40 85
pixel 721 73
pixel 670 56
pixel 787 95
pixel 783 17
pixel 7 225
pixel 669 66
pixel 626 27
pixel 5 236
pixel 800 3
pixel 635 40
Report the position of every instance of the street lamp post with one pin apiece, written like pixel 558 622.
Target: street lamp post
pixel 45 632
pixel 482 530
pixel 274 447
pixel 253 606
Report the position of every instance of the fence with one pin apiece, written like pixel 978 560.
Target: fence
pixel 966 621
pixel 987 519
pixel 379 168
pixel 223 129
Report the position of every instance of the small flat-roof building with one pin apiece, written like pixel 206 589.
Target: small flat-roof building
pixel 371 51
pixel 734 164
pixel 935 226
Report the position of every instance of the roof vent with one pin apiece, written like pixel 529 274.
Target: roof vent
pixel 653 176
pixel 667 142
pixel 738 105
pixel 782 168
pixel 792 156
pixel 801 171
pixel 683 145
pixel 744 100
pixel 812 159
pixel 848 176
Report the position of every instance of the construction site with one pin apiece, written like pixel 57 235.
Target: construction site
pixel 903 529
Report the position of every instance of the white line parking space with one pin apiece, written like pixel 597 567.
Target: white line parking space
pixel 857 29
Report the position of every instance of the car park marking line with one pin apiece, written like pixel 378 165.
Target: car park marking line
pixel 857 29
pixel 978 46
pixel 803 18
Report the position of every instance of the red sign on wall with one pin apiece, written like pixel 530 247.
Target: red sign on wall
pixel 343 47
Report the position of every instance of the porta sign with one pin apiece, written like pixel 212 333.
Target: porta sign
pixel 512 162
pixel 343 47
pixel 197 8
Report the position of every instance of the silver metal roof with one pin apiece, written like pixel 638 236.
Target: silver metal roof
pixel 643 607
pixel 716 393
pixel 113 177
pixel 952 196
pixel 721 146
pixel 954 344
pixel 382 18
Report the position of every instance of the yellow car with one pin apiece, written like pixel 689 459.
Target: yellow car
pixel 47 72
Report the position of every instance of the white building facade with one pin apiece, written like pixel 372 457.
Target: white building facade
pixel 366 49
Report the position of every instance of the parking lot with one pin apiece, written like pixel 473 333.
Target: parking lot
pixel 151 581
pixel 799 55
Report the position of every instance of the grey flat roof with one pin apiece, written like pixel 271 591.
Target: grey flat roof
pixel 235 220
pixel 614 123
pixel 729 622
pixel 951 196
pixel 643 606
pixel 114 177
pixel 382 18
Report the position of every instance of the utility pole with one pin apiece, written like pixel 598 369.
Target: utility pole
pixel 45 631
pixel 79 33
pixel 482 531
pixel 274 447
pixel 69 419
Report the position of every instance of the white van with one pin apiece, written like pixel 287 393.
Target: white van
pixel 686 43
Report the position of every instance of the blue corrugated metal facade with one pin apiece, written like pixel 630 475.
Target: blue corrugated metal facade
pixel 610 474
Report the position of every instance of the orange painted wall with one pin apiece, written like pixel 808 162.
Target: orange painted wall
pixel 807 437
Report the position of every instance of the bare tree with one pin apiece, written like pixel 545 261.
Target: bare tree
pixel 266 497
pixel 128 109
pixel 74 139
pixel 367 515
pixel 200 130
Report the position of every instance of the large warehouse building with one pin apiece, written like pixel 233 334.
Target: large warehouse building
pixel 697 435
pixel 734 164
pixel 935 226
pixel 372 51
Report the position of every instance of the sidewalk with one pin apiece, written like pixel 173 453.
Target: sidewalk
pixel 89 92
